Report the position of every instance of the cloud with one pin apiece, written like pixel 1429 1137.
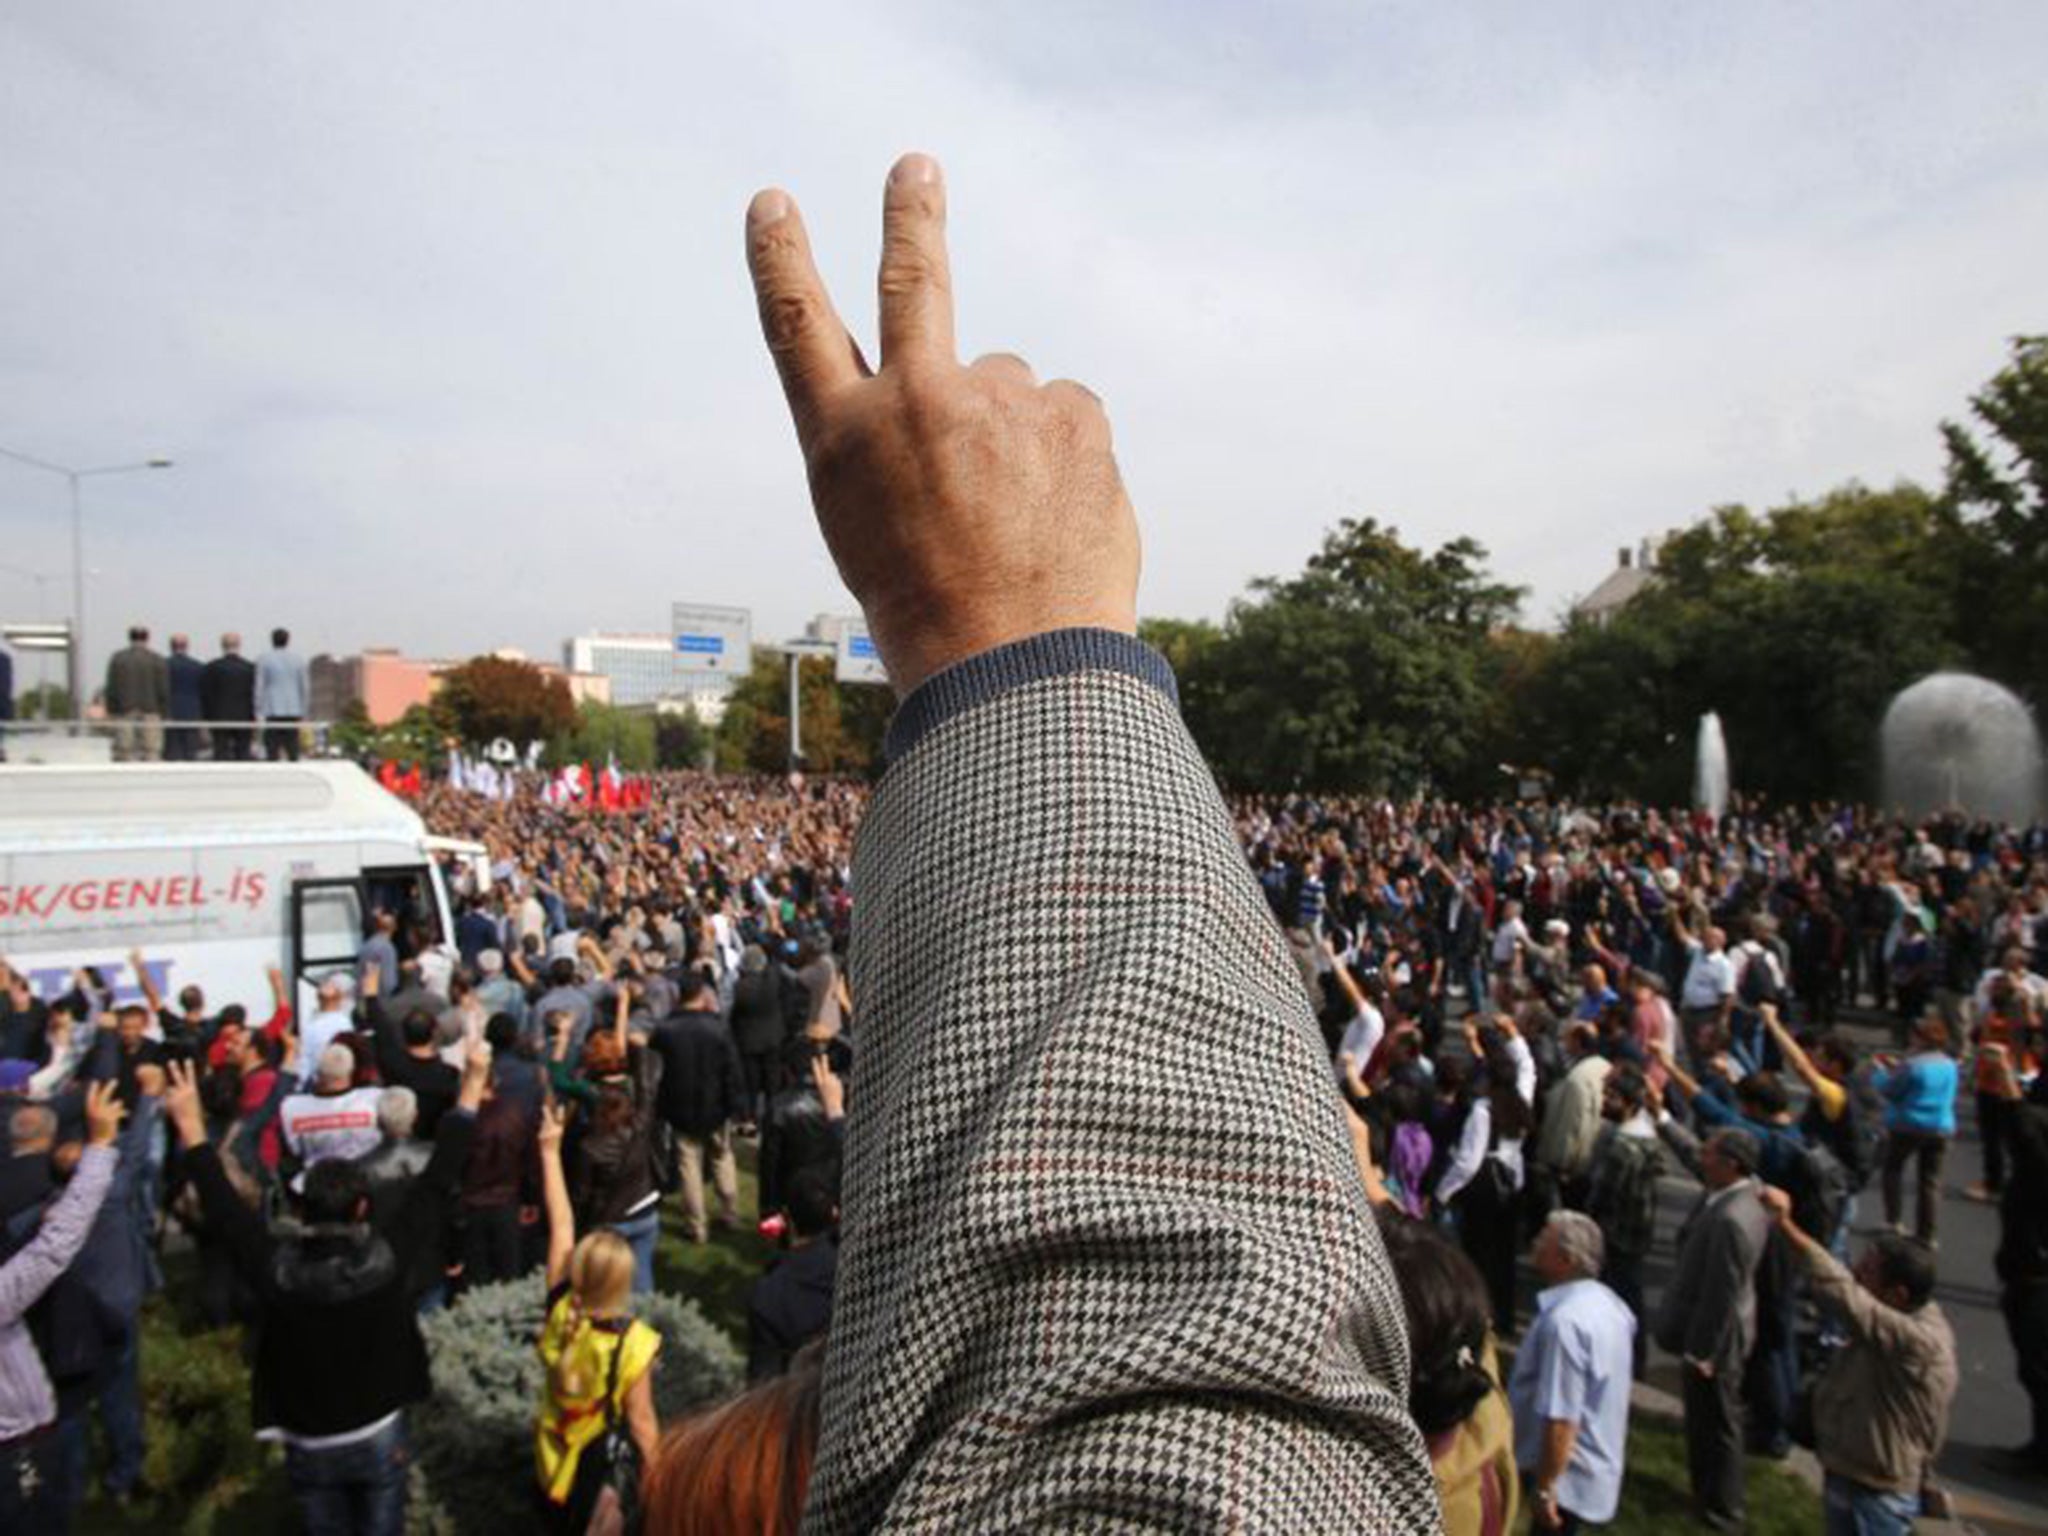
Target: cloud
pixel 441 309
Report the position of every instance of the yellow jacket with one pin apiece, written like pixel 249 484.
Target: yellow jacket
pixel 578 1352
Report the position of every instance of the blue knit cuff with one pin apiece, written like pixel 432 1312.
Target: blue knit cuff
pixel 991 674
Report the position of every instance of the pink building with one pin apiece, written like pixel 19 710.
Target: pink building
pixel 387 683
pixel 384 682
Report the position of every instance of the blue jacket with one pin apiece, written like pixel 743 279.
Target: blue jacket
pixel 1920 1095
pixel 281 686
pixel 1780 1146
pixel 186 671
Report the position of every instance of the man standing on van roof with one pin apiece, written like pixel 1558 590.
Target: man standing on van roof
pixel 281 692
pixel 228 693
pixel 187 678
pixel 139 695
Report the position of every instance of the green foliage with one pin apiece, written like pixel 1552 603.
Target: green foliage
pixel 681 740
pixel 420 735
pixel 45 701
pixel 1656 1490
pixel 842 724
pixel 353 734
pixel 1797 627
pixel 475 1441
pixel 603 730
pixel 489 696
pixel 1365 672
pixel 1385 668
pixel 1997 501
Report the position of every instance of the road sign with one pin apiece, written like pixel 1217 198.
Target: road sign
pixel 857 660
pixel 712 640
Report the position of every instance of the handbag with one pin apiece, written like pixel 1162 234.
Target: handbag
pixel 661 1156
pixel 616 1506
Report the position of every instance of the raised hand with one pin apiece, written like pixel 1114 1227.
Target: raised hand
pixel 476 1074
pixel 1776 1201
pixel 104 1113
pixel 965 506
pixel 554 1119
pixel 181 1103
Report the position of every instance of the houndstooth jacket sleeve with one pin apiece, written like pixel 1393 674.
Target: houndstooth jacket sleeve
pixel 1107 1263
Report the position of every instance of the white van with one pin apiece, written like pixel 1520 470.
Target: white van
pixel 214 872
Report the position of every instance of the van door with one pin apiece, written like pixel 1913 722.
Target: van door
pixel 412 894
pixel 327 932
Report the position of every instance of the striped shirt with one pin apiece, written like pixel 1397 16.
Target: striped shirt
pixel 26 1401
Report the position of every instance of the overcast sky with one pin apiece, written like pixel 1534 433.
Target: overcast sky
pixel 441 309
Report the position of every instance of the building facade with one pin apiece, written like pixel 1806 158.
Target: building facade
pixel 387 684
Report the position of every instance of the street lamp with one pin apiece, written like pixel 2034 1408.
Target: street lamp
pixel 796 650
pixel 77 656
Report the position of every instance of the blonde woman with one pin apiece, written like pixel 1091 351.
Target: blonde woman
pixel 597 1424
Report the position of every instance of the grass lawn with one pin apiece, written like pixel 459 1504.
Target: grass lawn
pixel 1655 1501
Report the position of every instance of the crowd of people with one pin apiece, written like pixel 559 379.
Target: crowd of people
pixel 1107 1260
pixel 1537 1016
pixel 180 709
pixel 1541 1016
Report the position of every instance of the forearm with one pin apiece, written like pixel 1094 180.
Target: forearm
pixel 45 1081
pixel 226 1212
pixel 1087 790
pixel 561 1217
pixel 1555 1453
pixel 30 1272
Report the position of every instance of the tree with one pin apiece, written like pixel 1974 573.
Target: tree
pixel 1796 627
pixel 681 740
pixel 1996 503
pixel 608 732
pixel 842 723
pixel 489 696
pixel 1365 672
pixel 45 701
pixel 353 734
pixel 420 735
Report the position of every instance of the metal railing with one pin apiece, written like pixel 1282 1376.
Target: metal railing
pixel 151 739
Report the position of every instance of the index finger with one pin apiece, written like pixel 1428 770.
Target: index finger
pixel 813 352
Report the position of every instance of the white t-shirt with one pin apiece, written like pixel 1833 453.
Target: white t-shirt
pixel 1506 937
pixel 1362 1037
pixel 1709 980
pixel 319 1126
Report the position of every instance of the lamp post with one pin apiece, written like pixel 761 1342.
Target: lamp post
pixel 796 651
pixel 77 653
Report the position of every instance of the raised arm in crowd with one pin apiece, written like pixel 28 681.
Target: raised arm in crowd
pixel 1107 1255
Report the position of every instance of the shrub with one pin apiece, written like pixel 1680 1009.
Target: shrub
pixel 474 1440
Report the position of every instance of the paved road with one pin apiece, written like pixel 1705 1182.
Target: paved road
pixel 1990 1411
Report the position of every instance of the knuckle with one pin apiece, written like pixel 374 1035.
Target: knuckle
pixel 908 267
pixel 789 319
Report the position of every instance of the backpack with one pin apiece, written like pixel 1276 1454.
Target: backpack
pixel 1858 1139
pixel 1628 1192
pixel 1820 1190
pixel 1760 983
